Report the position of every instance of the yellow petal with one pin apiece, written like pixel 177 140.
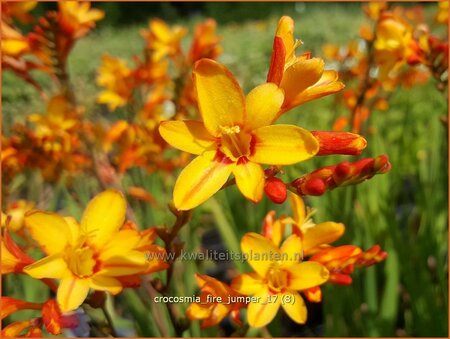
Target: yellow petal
pixel 120 243
pixel 261 313
pixel 295 308
pixel 260 252
pixel 14 47
pixel 247 283
pixel 262 105
pixel 327 84
pixel 53 267
pixel 292 250
pixel 306 275
pixel 131 262
pixel 49 230
pixel 299 76
pixel 285 30
pixel 104 215
pixel 250 180
pixel 198 311
pixel 282 145
pixel 188 136
pixel 323 233
pixel 298 208
pixel 105 283
pixel 74 230
pixel 203 177
pixel 220 98
pixel 72 291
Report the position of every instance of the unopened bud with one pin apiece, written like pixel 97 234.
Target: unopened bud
pixel 276 190
pixel 339 143
pixel 314 186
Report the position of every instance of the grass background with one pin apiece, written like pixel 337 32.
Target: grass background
pixel 405 211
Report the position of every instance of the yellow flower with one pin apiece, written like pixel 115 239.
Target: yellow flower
pixel 16 210
pixel 302 78
pixel 89 255
pixel 214 303
pixel 77 18
pixel 279 276
pixel 114 76
pixel 235 136
pixel 14 44
pixel 163 40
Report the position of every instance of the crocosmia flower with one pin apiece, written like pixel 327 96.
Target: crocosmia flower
pixel 236 136
pixel 279 276
pixel 89 255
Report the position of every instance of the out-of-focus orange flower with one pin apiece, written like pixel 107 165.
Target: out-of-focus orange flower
pixel 442 14
pixel 205 43
pixel 10 305
pixel 279 276
pixel 18 10
pixel 13 259
pixel 374 9
pixel 89 255
pixel 16 210
pixel 77 18
pixel 14 43
pixel 214 303
pixel 236 136
pixel 115 76
pixel 163 40
pixel 17 329
pixel 302 78
pixel 394 43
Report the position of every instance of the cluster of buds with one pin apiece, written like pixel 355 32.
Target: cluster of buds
pixel 327 178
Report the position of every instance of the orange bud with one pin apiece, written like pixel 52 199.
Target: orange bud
pixel 51 315
pixel 339 143
pixel 276 69
pixel 276 190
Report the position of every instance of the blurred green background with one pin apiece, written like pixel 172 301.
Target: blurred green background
pixel 405 211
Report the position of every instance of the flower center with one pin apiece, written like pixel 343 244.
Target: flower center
pixel 81 262
pixel 277 279
pixel 234 143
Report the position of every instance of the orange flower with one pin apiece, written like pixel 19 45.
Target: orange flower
pixel 302 78
pixel 205 43
pixel 236 136
pixel 77 18
pixel 214 305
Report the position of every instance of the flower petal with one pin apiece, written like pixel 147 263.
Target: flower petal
pixel 285 30
pixel 292 250
pixel 103 216
pixel 259 251
pixel 262 105
pixel 247 283
pixel 298 208
pixel 296 309
pixel 220 98
pixel 49 230
pixel 53 267
pixel 203 177
pixel 323 233
pixel 299 76
pixel 261 313
pixel 72 291
pixel 306 275
pixel 250 180
pixel 188 136
pixel 131 262
pixel 105 283
pixel 282 145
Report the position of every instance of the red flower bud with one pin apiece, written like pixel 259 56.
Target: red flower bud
pixel 339 143
pixel 276 190
pixel 314 186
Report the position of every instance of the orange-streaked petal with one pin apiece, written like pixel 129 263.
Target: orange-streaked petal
pixel 262 105
pixel 261 313
pixel 296 308
pixel 105 283
pixel 188 136
pixel 273 229
pixel 277 61
pixel 11 305
pixel 298 208
pixel 49 230
pixel 51 315
pixel 104 215
pixel 198 311
pixel 282 145
pixel 131 262
pixel 72 291
pixel 323 233
pixel 220 98
pixel 247 283
pixel 250 180
pixel 260 252
pixel 326 85
pixel 299 76
pixel 292 250
pixel 218 313
pixel 203 177
pixel 53 267
pixel 306 275
pixel 314 294
pixel 285 30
